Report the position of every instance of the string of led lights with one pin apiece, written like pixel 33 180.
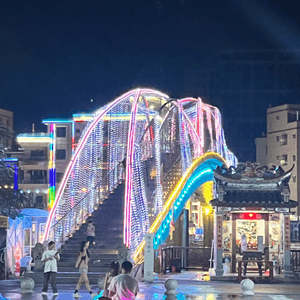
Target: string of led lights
pixel 138 137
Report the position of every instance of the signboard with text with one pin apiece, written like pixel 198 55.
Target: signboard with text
pixel 149 258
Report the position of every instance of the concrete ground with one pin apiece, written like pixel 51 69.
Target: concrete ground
pixel 190 286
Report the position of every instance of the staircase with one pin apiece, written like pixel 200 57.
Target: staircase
pixel 108 222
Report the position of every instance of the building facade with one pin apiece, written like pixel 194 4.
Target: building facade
pixel 6 121
pixel 281 144
pixel 44 157
pixel 243 84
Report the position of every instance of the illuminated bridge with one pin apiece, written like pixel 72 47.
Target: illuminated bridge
pixel 162 150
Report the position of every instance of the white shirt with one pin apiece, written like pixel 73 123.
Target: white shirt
pixel 124 286
pixel 244 244
pixel 50 265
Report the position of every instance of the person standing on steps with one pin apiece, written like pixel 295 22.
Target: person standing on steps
pixel 50 258
pixel 83 264
pixel 123 286
pixel 90 233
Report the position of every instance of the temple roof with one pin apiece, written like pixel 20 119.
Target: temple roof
pixel 252 185
pixel 252 174
pixel 247 198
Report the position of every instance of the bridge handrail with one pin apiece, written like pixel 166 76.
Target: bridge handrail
pixel 61 220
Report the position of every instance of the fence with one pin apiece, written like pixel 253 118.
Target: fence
pixel 185 258
pixel 295 260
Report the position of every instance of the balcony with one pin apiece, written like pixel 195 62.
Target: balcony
pixel 35 181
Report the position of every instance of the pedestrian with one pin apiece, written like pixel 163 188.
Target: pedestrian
pixel 82 263
pixel 123 286
pixel 244 243
pixel 90 233
pixel 113 271
pixel 50 258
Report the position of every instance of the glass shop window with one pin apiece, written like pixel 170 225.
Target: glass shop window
pixel 33 235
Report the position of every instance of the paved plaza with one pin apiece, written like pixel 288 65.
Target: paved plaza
pixel 189 287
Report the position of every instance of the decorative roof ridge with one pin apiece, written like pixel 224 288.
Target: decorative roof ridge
pixel 247 180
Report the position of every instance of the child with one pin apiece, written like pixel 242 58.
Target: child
pixel 50 257
pixel 90 232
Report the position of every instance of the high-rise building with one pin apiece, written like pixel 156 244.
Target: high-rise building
pixel 281 146
pixel 243 84
pixel 7 122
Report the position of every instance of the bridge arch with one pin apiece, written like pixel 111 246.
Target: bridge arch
pixel 146 134
pixel 200 172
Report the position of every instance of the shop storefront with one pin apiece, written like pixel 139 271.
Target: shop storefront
pixel 256 208
pixel 23 233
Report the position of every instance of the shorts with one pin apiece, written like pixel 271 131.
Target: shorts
pixel 90 239
pixel 81 271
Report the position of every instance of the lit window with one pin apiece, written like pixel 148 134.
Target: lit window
pixel 283 160
pixel 283 140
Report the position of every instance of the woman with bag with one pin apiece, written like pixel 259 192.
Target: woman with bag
pixel 82 263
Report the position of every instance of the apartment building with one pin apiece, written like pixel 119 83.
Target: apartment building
pixel 44 157
pixel 243 84
pixel 281 144
pixel 6 121
pixel 33 166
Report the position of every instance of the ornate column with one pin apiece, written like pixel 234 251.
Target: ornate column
pixel 218 253
pixel 286 246
pixel 233 242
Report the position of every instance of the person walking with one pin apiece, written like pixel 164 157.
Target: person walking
pixel 50 258
pixel 90 233
pixel 123 286
pixel 82 263
pixel 113 271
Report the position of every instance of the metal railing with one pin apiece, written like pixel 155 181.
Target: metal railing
pixel 168 188
pixel 185 258
pixel 295 260
pixel 65 227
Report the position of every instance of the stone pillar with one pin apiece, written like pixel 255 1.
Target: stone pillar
pixel 267 240
pixel 286 246
pixel 149 258
pixel 234 245
pixel 218 253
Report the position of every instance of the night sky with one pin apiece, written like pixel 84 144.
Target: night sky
pixel 58 55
